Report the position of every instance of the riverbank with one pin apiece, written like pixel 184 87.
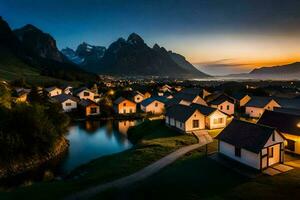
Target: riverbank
pixel 17 167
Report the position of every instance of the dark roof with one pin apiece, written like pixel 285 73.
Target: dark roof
pixel 185 96
pixel 288 103
pixel 288 110
pixel 238 96
pixel 220 99
pixel 121 99
pixel 205 110
pixel 196 91
pixel 259 102
pixel 63 97
pixel 148 101
pixel 49 89
pixel 180 112
pixel 172 102
pixel 284 122
pixel 246 135
pixel 87 102
pixel 78 90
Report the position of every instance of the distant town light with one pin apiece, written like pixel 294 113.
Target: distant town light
pixel 298 125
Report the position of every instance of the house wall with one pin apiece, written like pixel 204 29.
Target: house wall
pixel 130 107
pixel 248 158
pixel 138 98
pixel 294 138
pixel 88 110
pixel 216 115
pixel 271 105
pixel 69 108
pixel 154 109
pixel 196 116
pixel 223 107
pixel 22 98
pixel 254 112
pixel 55 92
pixel 91 95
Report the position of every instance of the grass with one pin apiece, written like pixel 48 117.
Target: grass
pixel 155 141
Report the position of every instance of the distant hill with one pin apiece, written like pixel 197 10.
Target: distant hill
pixel 31 54
pixel 289 71
pixel 133 57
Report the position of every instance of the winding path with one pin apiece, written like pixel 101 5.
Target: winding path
pixel 151 169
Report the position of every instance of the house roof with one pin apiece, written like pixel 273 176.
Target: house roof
pixel 185 96
pixel 246 135
pixel 121 99
pixel 238 96
pixel 195 91
pixel 258 102
pixel 87 102
pixel 180 112
pixel 205 110
pixel 49 89
pixel 63 97
pixel 284 122
pixel 288 103
pixel 148 101
pixel 288 110
pixel 78 90
pixel 220 99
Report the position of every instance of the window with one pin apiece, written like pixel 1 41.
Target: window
pixel 218 121
pixel 68 104
pixel 237 152
pixel 227 107
pixel 195 123
pixel 94 110
pixel 124 110
pixel 124 104
pixel 156 104
pixel 86 94
pixel 138 98
pixel 271 152
pixel 273 137
pixel 221 107
pixel 130 110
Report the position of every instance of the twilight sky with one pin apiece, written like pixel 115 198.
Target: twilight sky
pixel 219 36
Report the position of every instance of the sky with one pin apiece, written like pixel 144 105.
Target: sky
pixel 218 36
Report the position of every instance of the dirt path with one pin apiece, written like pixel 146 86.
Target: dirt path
pixel 151 169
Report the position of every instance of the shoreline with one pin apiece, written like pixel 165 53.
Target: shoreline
pixel 22 166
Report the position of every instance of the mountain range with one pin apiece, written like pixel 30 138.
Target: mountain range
pixel 132 57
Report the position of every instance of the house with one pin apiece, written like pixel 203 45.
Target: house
pixel 213 117
pixel 288 124
pixel 166 88
pixel 254 145
pixel 257 105
pixel 137 97
pixel 89 107
pixel 223 103
pixel 187 99
pixel 184 118
pixel 241 99
pixel 124 106
pixel 21 95
pixel 53 91
pixel 147 95
pixel 153 105
pixel 68 102
pixel 203 93
pixel 84 93
pixel 67 89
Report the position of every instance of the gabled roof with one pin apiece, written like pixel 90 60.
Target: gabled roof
pixel 220 99
pixel 205 110
pixel 121 99
pixel 63 97
pixel 78 90
pixel 49 89
pixel 246 135
pixel 185 96
pixel 238 96
pixel 148 101
pixel 284 122
pixel 288 103
pixel 87 102
pixel 288 110
pixel 259 102
pixel 180 112
pixel 195 91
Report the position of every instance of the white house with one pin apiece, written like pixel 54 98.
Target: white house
pixel 153 105
pixel 138 97
pixel 257 105
pixel 184 118
pixel 68 102
pixel 213 117
pixel 223 103
pixel 84 93
pixel 288 124
pixel 53 91
pixel 254 145
pixel 67 89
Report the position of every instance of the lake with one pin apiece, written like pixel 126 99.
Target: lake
pixel 88 140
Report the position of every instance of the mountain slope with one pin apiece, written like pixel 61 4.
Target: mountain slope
pixel 133 57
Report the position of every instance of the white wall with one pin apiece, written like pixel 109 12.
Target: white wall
pixel 248 158
pixel 55 92
pixel 91 95
pixel 254 112
pixel 70 107
pixel 216 115
pixel 195 116
pixel 223 107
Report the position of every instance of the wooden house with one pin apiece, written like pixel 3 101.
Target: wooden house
pixel 53 91
pixel 89 107
pixel 254 145
pixel 223 102
pixel 124 106
pixel 68 102
pixel 84 93
pixel 153 105
pixel 257 105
